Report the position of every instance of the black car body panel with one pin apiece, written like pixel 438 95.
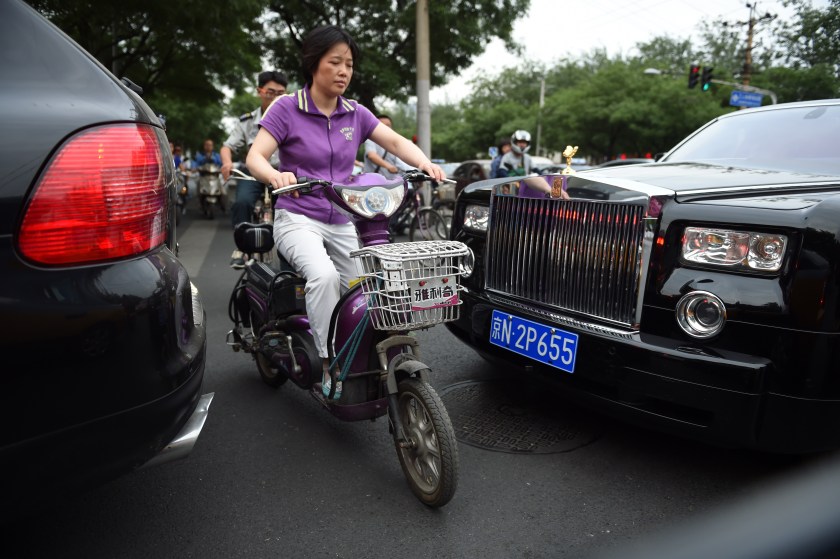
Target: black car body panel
pixel 769 380
pixel 103 362
pixel 51 89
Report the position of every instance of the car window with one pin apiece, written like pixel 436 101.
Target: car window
pixel 802 139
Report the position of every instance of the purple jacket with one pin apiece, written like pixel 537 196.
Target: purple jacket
pixel 313 145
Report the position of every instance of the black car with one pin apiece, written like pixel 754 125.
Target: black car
pixel 628 161
pixel 469 172
pixel 698 295
pixel 102 334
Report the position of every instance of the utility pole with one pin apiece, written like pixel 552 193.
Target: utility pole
pixel 539 115
pixel 747 73
pixel 424 113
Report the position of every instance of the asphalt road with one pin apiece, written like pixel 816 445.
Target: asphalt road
pixel 273 475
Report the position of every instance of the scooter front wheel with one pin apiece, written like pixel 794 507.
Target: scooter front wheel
pixel 429 455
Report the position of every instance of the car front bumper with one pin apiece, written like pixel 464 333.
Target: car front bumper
pixel 655 382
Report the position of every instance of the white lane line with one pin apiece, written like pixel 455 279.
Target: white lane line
pixel 198 239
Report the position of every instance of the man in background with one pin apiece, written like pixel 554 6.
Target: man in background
pixel 270 85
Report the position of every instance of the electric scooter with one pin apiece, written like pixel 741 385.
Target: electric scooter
pixel 211 194
pixel 402 287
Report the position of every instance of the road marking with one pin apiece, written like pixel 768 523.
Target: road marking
pixel 198 237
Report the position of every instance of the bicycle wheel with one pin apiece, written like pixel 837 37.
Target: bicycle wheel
pixel 428 225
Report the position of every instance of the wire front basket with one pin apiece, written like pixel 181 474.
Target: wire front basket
pixel 411 285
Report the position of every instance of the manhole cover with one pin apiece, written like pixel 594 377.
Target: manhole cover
pixel 501 416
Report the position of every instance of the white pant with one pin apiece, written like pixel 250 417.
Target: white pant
pixel 320 252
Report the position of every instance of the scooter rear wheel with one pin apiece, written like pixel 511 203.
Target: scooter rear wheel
pixel 269 372
pixel 429 458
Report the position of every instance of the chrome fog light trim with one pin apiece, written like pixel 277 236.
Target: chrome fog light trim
pixel 467 263
pixel 701 314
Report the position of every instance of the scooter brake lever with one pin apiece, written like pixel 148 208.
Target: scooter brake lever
pixel 302 187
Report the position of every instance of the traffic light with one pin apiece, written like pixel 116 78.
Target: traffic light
pixel 706 81
pixel 693 76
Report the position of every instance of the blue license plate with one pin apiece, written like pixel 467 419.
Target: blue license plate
pixel 536 341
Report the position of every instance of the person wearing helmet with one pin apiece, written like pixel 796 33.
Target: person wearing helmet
pixel 517 162
pixel 504 147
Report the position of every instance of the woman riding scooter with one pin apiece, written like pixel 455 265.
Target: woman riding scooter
pixel 318 133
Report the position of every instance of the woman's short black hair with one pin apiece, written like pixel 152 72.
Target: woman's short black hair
pixel 316 44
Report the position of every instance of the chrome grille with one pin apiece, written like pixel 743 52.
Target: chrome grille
pixel 575 255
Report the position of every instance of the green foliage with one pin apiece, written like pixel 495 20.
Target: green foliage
pixel 197 62
pixel 608 106
pixel 812 38
pixel 183 54
pixel 816 82
pixel 385 33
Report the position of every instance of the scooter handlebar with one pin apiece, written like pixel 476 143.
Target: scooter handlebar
pixel 303 186
pixel 420 176
pixel 306 185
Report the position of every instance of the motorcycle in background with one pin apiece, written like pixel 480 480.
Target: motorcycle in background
pixel 181 194
pixel 211 194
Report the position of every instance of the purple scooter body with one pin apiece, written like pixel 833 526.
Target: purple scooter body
pixel 356 403
pixel 378 362
pixel 361 398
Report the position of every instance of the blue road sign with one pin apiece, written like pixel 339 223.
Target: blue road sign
pixel 745 99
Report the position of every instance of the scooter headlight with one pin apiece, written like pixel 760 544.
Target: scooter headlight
pixel 374 200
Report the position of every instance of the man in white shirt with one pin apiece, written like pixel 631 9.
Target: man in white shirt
pixel 377 158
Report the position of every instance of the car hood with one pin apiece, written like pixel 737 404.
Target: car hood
pixel 699 178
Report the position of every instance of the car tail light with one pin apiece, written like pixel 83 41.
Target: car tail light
pixel 103 196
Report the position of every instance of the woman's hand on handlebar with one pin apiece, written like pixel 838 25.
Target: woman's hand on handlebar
pixel 433 171
pixel 279 180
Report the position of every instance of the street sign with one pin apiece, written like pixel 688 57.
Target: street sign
pixel 745 99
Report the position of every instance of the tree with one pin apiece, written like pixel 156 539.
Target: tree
pixel 385 32
pixel 813 36
pixel 183 54
pixel 669 56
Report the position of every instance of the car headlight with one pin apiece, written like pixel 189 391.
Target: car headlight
pixel 740 250
pixel 476 218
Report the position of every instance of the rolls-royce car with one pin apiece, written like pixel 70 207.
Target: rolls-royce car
pixel 698 294
pixel 102 333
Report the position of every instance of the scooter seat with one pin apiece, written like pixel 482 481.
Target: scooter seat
pixel 253 238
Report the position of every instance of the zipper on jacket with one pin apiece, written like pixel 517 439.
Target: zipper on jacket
pixel 332 156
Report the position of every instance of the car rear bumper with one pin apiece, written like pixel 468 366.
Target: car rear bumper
pixel 652 382
pixel 182 444
pixel 65 462
pixel 103 368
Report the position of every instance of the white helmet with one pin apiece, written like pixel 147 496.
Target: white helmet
pixel 520 136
